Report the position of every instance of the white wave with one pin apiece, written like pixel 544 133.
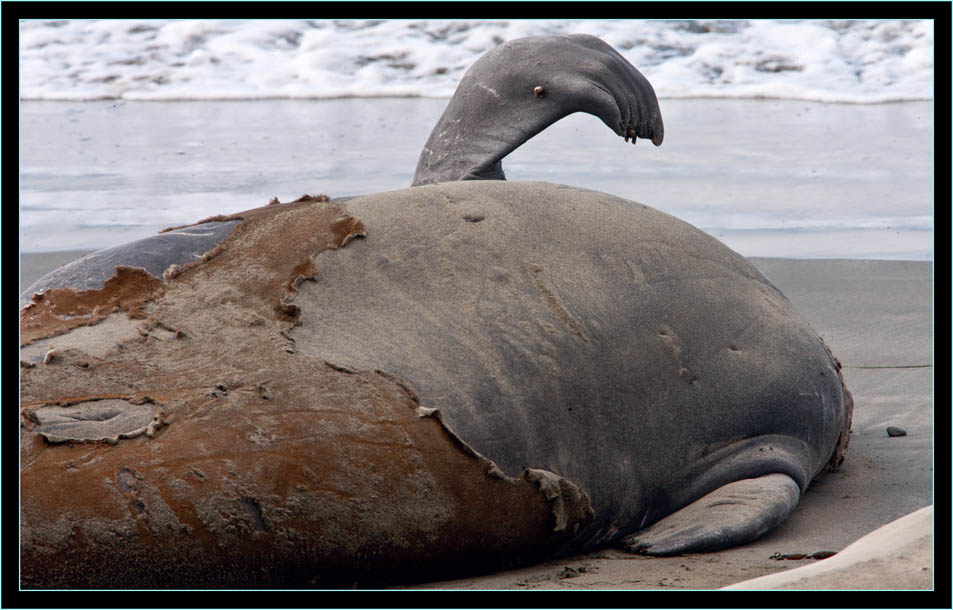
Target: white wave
pixel 828 61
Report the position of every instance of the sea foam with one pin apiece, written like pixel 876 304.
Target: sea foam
pixel 827 61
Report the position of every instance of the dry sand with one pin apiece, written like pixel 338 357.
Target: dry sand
pixel 877 318
pixel 898 555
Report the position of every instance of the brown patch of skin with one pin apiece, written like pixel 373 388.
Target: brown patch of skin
pixel 241 215
pixel 57 311
pixel 329 478
pixel 62 309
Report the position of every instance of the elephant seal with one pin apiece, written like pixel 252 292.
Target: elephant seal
pixel 458 376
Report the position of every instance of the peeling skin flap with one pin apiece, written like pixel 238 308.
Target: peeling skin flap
pixel 571 505
pixel 154 254
pixel 101 420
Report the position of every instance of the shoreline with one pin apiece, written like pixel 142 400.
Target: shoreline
pixel 767 177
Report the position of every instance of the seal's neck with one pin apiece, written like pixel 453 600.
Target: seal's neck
pixel 522 87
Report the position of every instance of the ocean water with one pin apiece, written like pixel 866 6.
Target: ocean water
pixel 795 139
pixel 827 61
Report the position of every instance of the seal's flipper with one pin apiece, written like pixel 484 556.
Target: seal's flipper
pixel 733 514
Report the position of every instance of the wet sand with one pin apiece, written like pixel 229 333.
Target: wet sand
pixel 767 177
pixel 35 265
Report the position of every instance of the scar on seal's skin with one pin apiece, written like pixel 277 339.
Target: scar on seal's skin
pixel 668 337
pixel 553 302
